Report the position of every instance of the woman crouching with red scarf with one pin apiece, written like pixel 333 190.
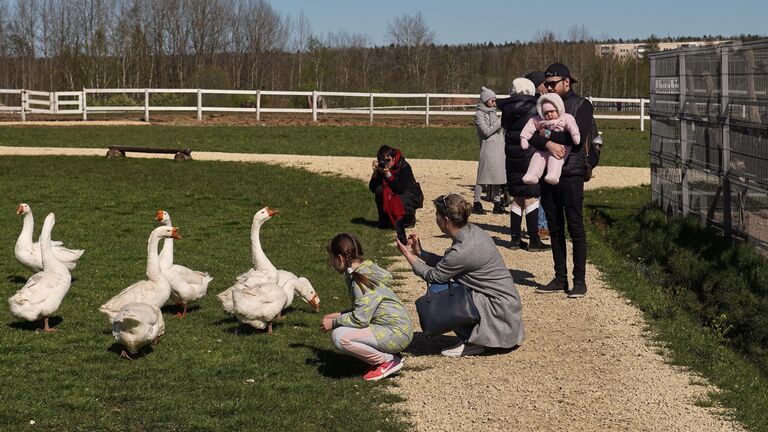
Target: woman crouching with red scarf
pixel 398 195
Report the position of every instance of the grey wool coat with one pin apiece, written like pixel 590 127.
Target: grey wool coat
pixel 490 169
pixel 474 261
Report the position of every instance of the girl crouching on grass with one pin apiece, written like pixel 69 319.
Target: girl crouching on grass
pixel 378 327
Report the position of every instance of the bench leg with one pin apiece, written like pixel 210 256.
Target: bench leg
pixel 114 153
pixel 182 156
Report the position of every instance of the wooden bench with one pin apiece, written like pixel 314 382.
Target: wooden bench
pixel 179 154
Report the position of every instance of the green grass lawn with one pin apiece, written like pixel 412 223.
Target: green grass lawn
pixel 625 145
pixel 196 378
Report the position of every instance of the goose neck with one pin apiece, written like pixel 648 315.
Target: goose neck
pixel 27 228
pixel 153 261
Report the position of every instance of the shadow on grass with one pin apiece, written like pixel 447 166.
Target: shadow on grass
pixel 248 330
pixel 225 320
pixel 364 222
pixel 16 279
pixel 177 309
pixel 118 349
pixel 332 364
pixel 35 326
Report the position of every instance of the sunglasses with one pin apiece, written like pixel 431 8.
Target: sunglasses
pixel 553 84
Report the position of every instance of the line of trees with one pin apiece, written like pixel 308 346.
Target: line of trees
pixel 248 44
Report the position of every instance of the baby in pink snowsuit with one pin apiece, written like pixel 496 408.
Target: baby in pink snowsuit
pixel 552 118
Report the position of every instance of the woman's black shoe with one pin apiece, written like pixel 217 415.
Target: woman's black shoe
pixel 515 244
pixel 498 209
pixel 477 208
pixel 535 245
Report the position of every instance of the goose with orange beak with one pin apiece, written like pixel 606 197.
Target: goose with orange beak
pixel 156 289
pixel 264 272
pixel 187 285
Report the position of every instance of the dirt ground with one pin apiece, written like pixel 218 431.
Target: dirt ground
pixel 587 364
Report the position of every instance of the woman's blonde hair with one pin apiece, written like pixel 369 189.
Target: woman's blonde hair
pixel 454 207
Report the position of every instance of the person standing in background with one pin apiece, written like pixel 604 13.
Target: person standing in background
pixel 490 168
pixel 537 78
pixel 564 201
pixel 516 111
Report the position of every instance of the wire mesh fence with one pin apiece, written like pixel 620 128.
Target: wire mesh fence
pixel 709 135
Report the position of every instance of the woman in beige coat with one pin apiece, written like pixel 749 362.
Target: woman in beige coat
pixel 490 169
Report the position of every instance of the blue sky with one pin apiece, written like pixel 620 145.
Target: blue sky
pixel 456 21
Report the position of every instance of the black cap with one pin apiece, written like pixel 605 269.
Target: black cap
pixel 559 70
pixel 536 77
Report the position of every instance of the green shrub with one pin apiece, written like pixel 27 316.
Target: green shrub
pixel 172 99
pixel 725 285
pixel 119 99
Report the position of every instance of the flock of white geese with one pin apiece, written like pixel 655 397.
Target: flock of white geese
pixel 257 298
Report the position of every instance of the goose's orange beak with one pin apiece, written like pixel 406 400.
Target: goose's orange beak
pixel 159 215
pixel 315 303
pixel 272 212
pixel 175 233
pixel 20 209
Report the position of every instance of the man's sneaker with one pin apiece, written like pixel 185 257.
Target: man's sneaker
pixel 579 290
pixel 385 369
pixel 498 209
pixel 544 234
pixel 477 208
pixel 535 245
pixel 555 286
pixel 463 349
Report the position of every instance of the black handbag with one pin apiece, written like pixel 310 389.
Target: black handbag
pixel 441 311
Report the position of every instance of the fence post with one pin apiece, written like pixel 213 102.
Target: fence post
pixel 642 115
pixel 84 103
pixel 314 105
pixel 427 109
pixel 258 105
pixel 199 105
pixel 23 105
pixel 146 105
pixel 685 190
pixel 370 110
pixel 52 102
pixel 726 159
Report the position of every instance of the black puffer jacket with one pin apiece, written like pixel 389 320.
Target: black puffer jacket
pixel 575 164
pixel 515 113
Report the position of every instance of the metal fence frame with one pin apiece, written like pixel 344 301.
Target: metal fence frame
pixel 709 136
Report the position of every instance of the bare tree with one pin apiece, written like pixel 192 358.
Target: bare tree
pixel 412 37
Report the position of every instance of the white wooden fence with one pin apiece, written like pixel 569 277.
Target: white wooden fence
pixel 76 102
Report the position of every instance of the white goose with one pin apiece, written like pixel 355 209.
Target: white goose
pixel 44 291
pixel 137 325
pixel 28 252
pixel 258 306
pixel 262 272
pixel 154 291
pixel 186 285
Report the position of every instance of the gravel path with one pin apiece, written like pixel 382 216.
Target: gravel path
pixel 586 363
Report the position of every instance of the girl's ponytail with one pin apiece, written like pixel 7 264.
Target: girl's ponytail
pixel 349 247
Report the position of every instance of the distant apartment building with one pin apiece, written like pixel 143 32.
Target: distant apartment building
pixel 639 50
